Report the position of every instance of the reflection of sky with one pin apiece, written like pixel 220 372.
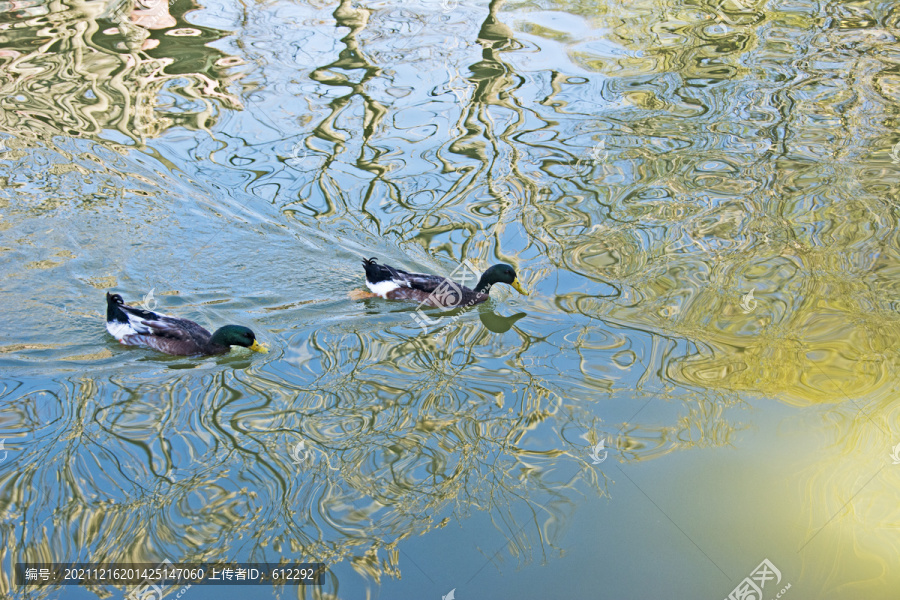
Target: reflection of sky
pixel 732 434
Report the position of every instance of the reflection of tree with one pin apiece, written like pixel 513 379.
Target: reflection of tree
pixel 345 73
pixel 145 478
pixel 405 192
pixel 350 59
pixel 144 471
pixel 739 174
pixel 96 68
pixel 509 190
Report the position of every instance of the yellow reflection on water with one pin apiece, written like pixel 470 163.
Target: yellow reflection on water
pixel 91 66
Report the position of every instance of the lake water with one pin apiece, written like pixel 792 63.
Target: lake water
pixel 698 395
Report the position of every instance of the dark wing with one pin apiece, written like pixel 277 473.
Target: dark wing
pixel 173 336
pixel 376 273
pixel 175 328
pixel 137 317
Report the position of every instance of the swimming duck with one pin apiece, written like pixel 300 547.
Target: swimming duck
pixel 433 290
pixel 134 326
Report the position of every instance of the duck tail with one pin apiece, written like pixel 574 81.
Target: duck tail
pixel 113 312
pixel 375 272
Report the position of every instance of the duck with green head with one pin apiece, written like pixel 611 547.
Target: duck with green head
pixel 134 326
pixel 432 290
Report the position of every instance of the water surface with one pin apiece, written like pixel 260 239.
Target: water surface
pixel 701 197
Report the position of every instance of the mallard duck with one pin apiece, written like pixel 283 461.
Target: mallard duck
pixel 433 290
pixel 134 326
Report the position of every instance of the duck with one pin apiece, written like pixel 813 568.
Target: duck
pixel 134 326
pixel 433 290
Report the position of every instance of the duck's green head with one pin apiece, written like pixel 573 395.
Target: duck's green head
pixel 501 273
pixel 237 335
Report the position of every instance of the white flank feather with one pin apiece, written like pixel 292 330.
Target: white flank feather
pixel 134 326
pixel 119 330
pixel 382 288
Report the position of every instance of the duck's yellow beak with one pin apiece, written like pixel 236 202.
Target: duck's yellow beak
pixel 518 287
pixel 257 347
